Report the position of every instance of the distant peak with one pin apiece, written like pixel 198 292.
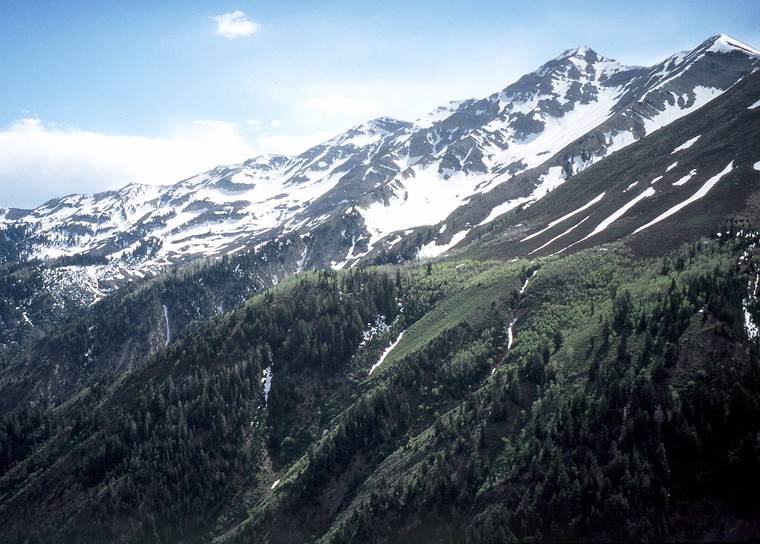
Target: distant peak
pixel 383 123
pixel 578 51
pixel 376 126
pixel 723 43
pixel 266 159
pixel 583 53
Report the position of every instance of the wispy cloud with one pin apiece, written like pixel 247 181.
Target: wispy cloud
pixel 38 161
pixel 341 103
pixel 235 24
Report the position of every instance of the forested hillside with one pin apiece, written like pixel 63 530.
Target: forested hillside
pixel 591 396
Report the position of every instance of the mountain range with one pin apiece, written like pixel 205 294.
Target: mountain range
pixel 527 317
pixel 389 188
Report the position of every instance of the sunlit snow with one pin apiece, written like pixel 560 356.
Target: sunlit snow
pixel 619 213
pixel 386 352
pixel 593 201
pixel 686 145
pixel 686 178
pixel 166 324
pixel 702 191
pixel 565 233
pixel 432 249
pixel 267 382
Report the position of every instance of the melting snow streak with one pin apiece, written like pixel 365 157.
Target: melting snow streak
pixel 567 216
pixel 267 381
pixel 166 320
pixel 510 334
pixel 386 352
pixel 618 214
pixel 709 184
pixel 686 145
pixel 568 231
pixel 749 325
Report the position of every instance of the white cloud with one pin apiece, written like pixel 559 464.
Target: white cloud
pixel 39 162
pixel 276 123
pixel 338 103
pixel 235 24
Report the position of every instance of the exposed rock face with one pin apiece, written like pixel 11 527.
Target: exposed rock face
pixel 382 183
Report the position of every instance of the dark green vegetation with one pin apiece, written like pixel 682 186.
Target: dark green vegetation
pixel 52 344
pixel 532 385
pixel 628 408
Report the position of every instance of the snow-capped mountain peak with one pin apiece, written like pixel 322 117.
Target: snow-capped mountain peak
pixel 723 43
pixel 386 183
pixel 584 53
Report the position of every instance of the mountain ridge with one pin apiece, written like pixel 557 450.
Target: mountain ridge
pixel 527 317
pixel 385 181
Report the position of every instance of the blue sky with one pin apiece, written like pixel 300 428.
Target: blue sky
pixel 98 94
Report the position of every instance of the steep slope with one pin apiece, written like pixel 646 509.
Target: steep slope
pixel 577 405
pixel 419 187
pixel 64 342
pixel 684 180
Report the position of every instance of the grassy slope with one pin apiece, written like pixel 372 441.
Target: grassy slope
pixel 558 298
pixel 438 376
pixel 476 294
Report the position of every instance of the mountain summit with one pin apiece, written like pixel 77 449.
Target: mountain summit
pixel 391 187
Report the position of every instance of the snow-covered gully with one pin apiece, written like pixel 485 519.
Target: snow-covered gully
pixel 566 216
pixel 565 233
pixel 527 280
pixel 166 321
pixel 386 352
pixel 709 184
pixel 749 325
pixel 511 326
pixel 267 382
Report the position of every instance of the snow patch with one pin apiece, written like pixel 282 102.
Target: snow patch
pixel 386 352
pixel 568 231
pixel 726 44
pixel 686 145
pixel 686 178
pixel 619 213
pixel 553 178
pixel 749 325
pixel 709 184
pixel 510 334
pixel 424 199
pixel 527 281
pixel 673 112
pixel 593 201
pixel 267 382
pixel 166 321
pixel 432 249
